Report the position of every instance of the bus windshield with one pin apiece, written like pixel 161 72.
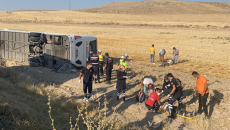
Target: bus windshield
pixel 93 46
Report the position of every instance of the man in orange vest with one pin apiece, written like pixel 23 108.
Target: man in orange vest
pixel 202 89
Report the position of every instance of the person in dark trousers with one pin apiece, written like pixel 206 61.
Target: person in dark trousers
pixel 121 82
pixel 101 62
pixel 177 87
pixel 153 102
pixel 203 92
pixel 89 55
pixel 166 85
pixel 88 73
pixel 108 66
pixel 94 60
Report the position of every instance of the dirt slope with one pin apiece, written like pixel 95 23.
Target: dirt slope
pixel 162 7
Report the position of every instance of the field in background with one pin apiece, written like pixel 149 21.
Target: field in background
pixel 199 30
pixel 204 50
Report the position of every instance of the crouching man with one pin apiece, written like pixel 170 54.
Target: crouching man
pixel 153 102
pixel 147 83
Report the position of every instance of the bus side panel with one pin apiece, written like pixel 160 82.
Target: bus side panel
pixel 14 46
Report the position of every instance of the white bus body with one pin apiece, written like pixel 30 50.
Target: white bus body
pixel 54 49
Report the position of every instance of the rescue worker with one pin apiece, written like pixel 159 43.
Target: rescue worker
pixel 166 85
pixel 126 57
pixel 94 60
pixel 108 66
pixel 101 62
pixel 124 63
pixel 87 81
pixel 121 82
pixel 153 102
pixel 175 94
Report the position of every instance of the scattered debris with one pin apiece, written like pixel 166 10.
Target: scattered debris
pixel 66 68
pixel 39 71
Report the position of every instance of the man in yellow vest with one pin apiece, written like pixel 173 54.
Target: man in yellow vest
pixel 152 54
pixel 124 63
pixel 101 61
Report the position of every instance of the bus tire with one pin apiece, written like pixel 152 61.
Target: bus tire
pixel 33 34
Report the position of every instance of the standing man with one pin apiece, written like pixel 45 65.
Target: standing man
pixel 89 55
pixel 124 63
pixel 87 81
pixel 203 91
pixel 121 82
pixel 101 61
pixel 108 66
pixel 176 93
pixel 152 54
pixel 175 55
pixel 147 83
pixel 94 60
pixel 161 55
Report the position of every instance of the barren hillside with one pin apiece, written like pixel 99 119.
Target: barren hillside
pixel 162 7
pixel 199 30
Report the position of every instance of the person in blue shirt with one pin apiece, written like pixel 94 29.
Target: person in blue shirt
pixel 161 55
pixel 89 55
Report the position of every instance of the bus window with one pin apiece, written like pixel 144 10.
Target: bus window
pixel 93 46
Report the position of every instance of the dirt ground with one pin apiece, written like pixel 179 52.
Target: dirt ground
pixel 203 41
pixel 132 114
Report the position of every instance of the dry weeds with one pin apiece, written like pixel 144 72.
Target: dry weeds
pixel 23 105
pixel 203 41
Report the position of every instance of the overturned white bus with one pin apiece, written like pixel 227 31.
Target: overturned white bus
pixel 50 50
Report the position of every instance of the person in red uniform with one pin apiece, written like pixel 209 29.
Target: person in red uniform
pixel 153 102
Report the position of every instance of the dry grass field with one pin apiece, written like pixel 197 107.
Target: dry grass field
pixel 201 31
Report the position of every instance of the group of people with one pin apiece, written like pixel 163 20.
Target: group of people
pixel 97 64
pixel 100 63
pixel 174 87
pixel 162 53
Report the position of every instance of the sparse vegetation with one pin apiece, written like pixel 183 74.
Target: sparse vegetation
pixel 25 107
pixel 23 102
pixel 166 33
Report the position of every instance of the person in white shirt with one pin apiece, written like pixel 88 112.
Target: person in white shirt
pixel 147 83
pixel 170 61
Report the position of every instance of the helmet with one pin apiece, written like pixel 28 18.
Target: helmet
pixel 126 55
pixel 99 50
pixel 122 57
